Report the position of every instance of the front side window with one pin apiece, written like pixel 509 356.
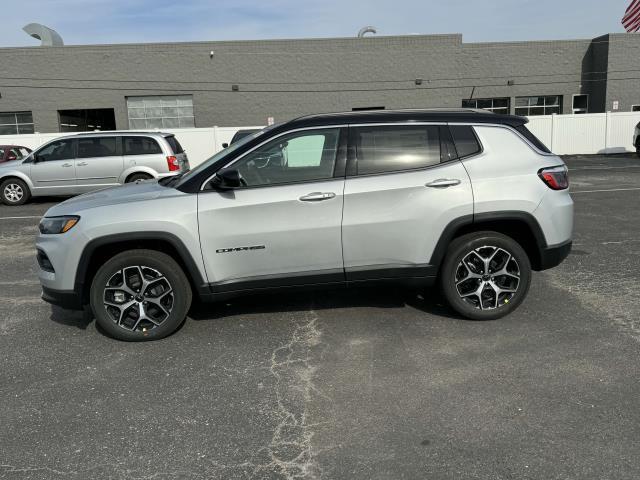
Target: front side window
pixel 140 146
pixel 96 147
pixel 396 148
pixel 297 157
pixel 531 106
pixel 58 150
pixel 13 123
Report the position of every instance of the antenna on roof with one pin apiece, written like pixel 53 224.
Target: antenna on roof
pixel 47 36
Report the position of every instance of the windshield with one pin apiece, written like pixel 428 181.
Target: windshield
pixel 218 157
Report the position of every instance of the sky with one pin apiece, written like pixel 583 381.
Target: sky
pixel 140 21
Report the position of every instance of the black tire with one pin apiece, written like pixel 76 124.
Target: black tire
pixel 138 176
pixel 638 151
pixel 14 192
pixel 457 279
pixel 169 317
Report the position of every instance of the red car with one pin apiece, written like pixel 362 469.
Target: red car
pixel 13 152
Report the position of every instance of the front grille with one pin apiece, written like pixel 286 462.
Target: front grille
pixel 44 262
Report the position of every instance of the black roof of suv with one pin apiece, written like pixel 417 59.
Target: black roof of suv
pixel 461 115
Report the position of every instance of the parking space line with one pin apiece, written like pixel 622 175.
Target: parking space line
pixel 18 218
pixel 609 190
pixel 597 167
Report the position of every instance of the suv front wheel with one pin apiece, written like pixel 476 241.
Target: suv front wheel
pixel 140 295
pixel 485 275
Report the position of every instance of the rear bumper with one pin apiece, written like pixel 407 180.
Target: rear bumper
pixel 553 256
pixel 69 300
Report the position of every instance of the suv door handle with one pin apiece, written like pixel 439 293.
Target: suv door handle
pixel 82 164
pixel 443 183
pixel 317 197
pixel 65 165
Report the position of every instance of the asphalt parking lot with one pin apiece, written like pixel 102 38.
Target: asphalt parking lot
pixel 358 384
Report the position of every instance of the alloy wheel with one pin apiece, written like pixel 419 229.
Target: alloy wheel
pixel 487 278
pixel 13 192
pixel 138 298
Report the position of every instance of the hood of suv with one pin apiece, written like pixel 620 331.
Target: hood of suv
pixel 128 193
pixel 11 164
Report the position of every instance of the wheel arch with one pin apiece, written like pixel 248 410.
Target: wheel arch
pixel 521 226
pixel 101 249
pixel 137 169
pixel 19 176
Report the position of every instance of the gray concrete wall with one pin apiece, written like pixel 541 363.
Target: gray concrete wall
pixel 287 78
pixel 623 80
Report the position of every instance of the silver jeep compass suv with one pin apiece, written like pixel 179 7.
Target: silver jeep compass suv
pixel 469 199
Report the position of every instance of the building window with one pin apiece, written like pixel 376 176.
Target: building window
pixel 530 106
pixel 166 111
pixel 495 105
pixel 87 120
pixel 13 123
pixel 580 104
pixel 635 108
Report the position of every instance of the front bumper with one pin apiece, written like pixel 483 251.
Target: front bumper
pixel 69 300
pixel 553 256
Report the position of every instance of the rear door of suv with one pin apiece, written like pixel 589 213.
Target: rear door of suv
pixel 404 185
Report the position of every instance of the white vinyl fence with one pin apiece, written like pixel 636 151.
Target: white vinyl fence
pixel 594 133
pixel 586 134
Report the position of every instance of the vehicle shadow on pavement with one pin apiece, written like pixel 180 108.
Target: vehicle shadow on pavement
pixel 392 298
pixel 72 318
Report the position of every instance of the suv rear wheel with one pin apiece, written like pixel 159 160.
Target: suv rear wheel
pixel 485 275
pixel 140 295
pixel 14 192
pixel 138 176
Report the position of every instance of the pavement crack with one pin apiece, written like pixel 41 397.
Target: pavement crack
pixel 290 454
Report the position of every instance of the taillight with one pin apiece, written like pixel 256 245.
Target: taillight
pixel 173 164
pixel 556 178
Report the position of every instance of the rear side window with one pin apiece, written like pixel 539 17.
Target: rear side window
pixel 526 133
pixel 396 148
pixel 96 147
pixel 174 144
pixel 465 140
pixel 140 146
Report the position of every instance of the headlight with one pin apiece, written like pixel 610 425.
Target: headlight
pixel 53 225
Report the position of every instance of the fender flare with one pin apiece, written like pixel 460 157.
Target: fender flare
pixel 192 270
pixel 450 231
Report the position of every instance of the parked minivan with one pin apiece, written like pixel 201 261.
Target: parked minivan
pixel 90 161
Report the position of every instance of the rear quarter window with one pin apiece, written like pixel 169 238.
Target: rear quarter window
pixel 140 146
pixel 526 133
pixel 174 144
pixel 465 140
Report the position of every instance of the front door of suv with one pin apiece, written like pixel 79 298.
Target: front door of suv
pixel 283 227
pixel 404 185
pixel 53 170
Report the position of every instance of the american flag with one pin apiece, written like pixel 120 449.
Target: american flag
pixel 631 19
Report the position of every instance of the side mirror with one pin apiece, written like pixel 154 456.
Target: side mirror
pixel 225 145
pixel 227 180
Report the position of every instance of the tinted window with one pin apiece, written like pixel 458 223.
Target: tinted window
pixel 532 138
pixel 465 140
pixel 174 144
pixel 140 146
pixel 96 147
pixel 59 150
pixel 298 157
pixel 392 149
